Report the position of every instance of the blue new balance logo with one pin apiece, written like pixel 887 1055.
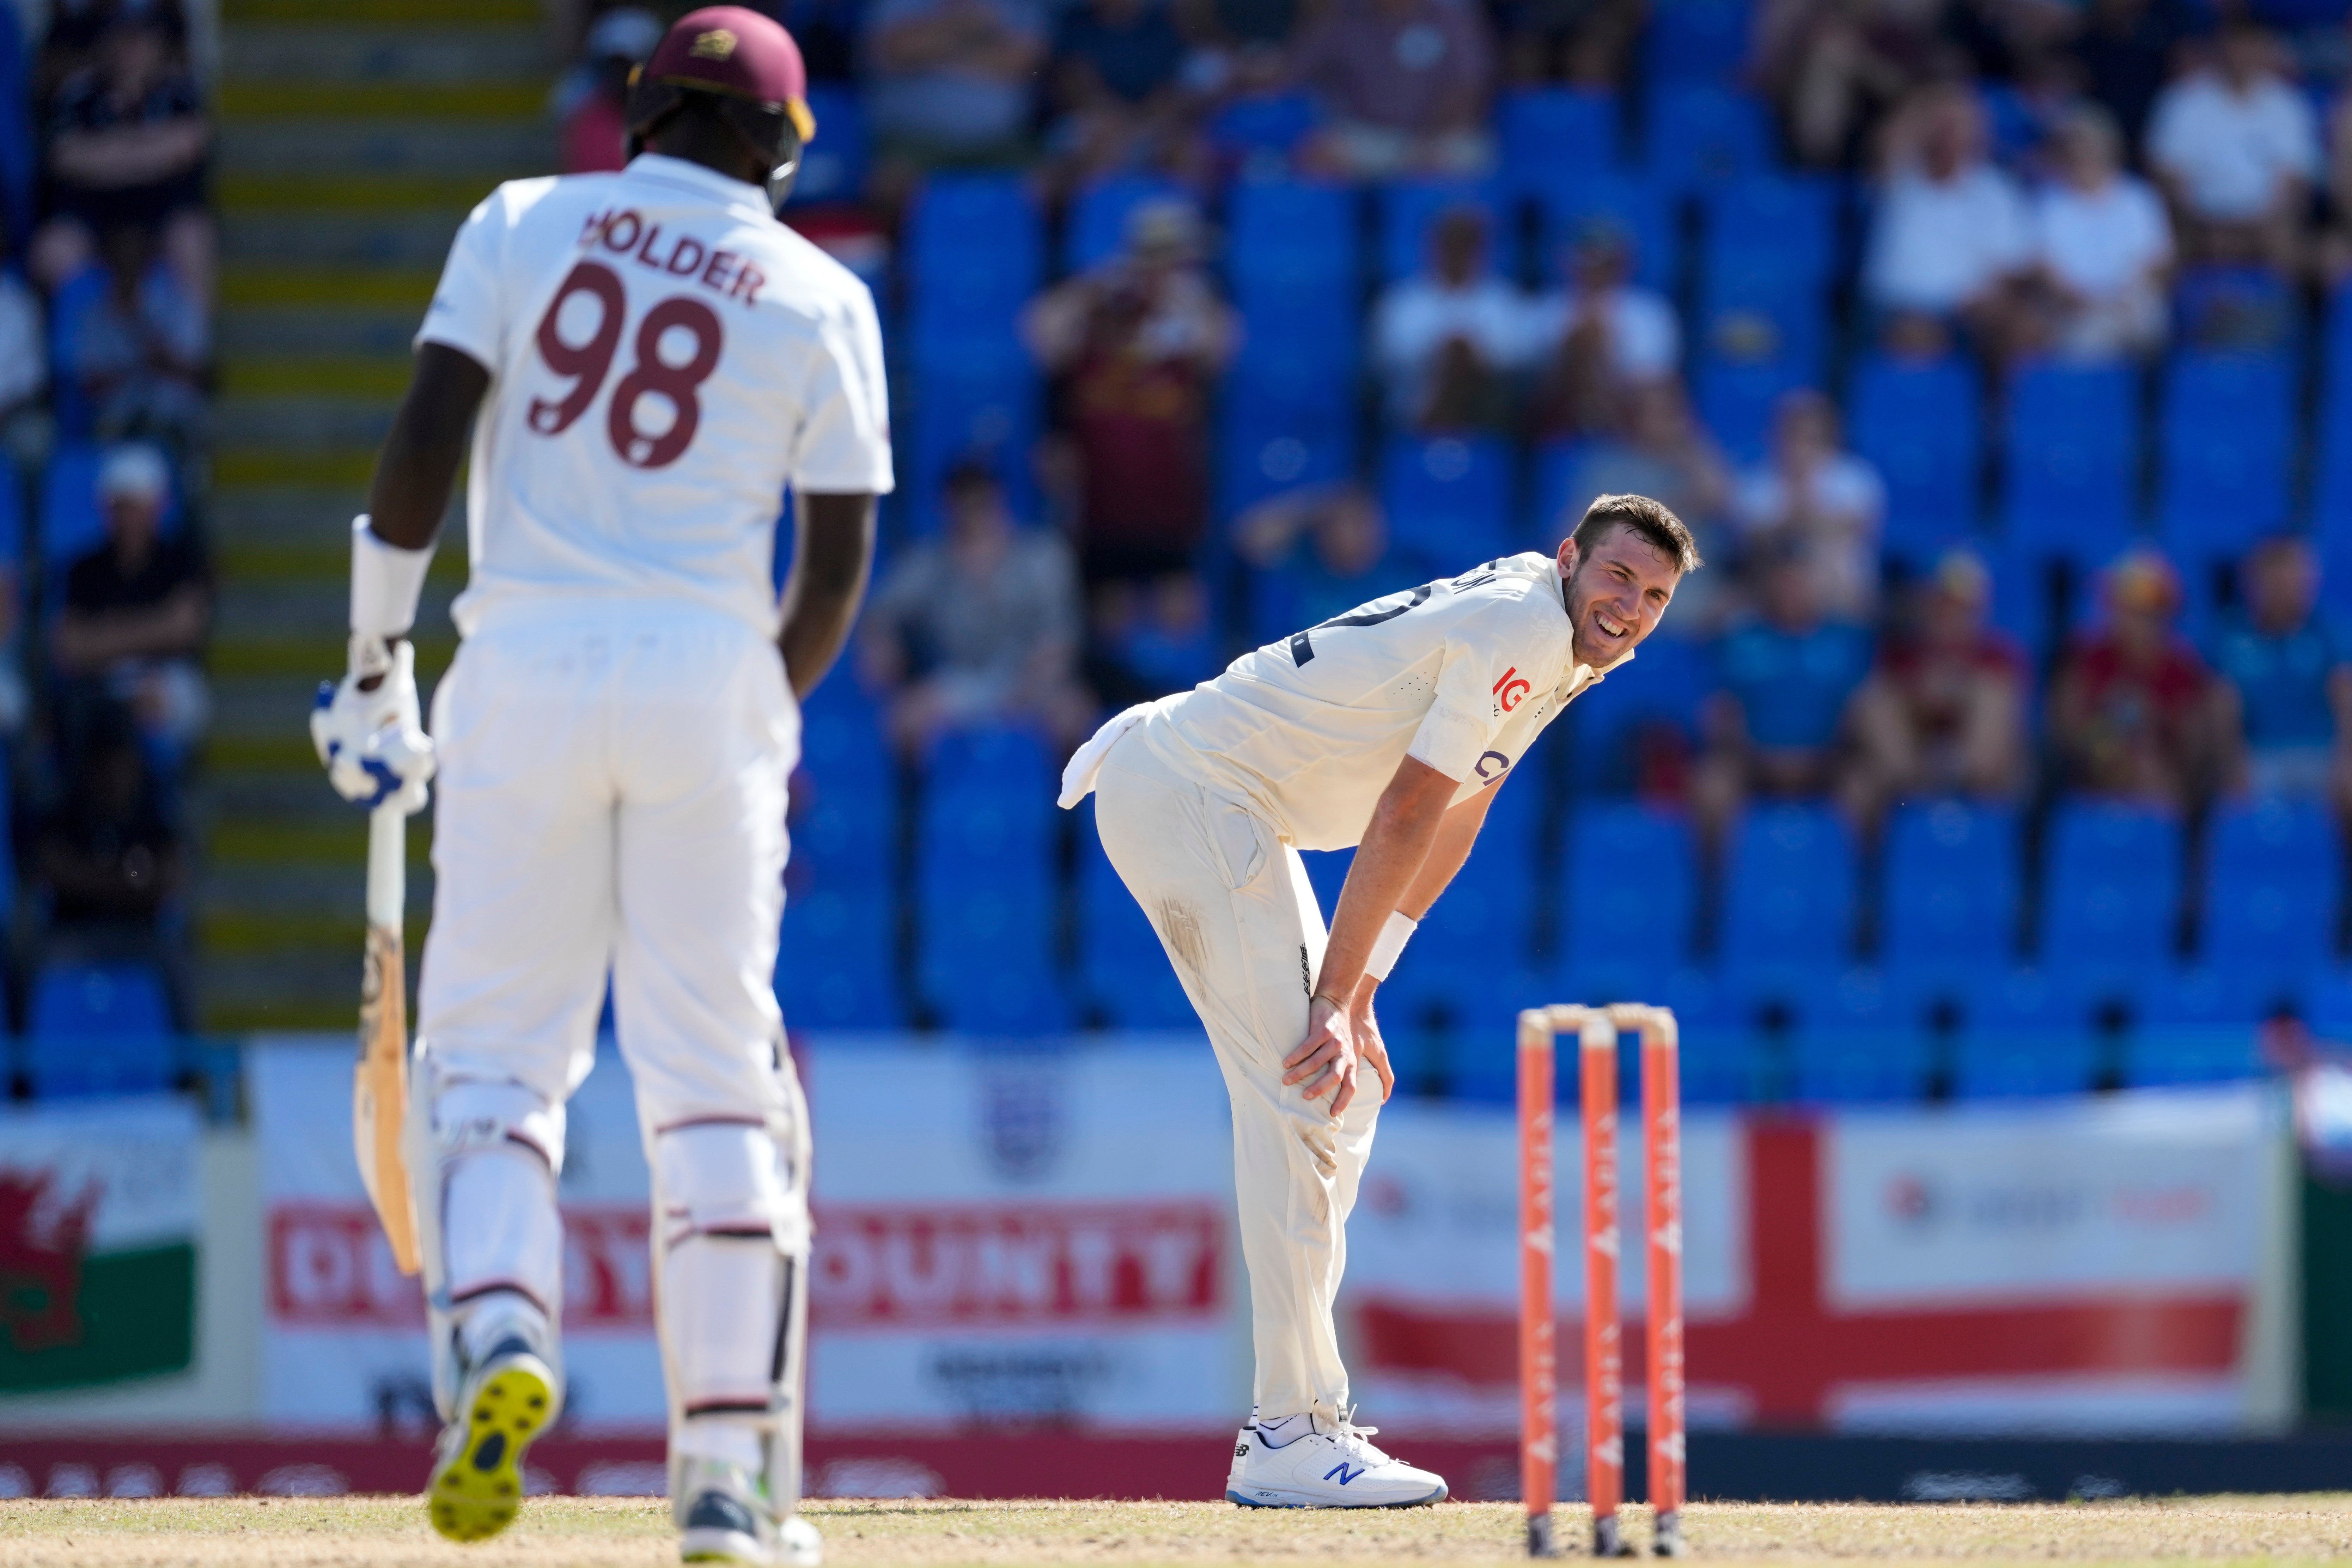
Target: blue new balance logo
pixel 1344 1473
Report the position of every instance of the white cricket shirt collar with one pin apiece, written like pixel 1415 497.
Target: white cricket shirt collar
pixel 710 182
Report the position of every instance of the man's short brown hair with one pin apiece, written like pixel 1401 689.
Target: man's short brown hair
pixel 1655 524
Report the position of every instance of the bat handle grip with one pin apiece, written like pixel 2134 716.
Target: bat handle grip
pixel 387 866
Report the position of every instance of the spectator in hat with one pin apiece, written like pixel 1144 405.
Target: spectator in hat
pixel 1944 711
pixel 1949 239
pixel 1781 721
pixel 2102 247
pixel 138 607
pixel 2236 147
pixel 1135 347
pixel 1599 337
pixel 979 625
pixel 2286 679
pixel 2134 712
pixel 595 128
pixel 1448 339
pixel 1406 84
pixel 1811 489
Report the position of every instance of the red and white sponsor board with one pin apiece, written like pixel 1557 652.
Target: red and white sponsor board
pixel 1000 1237
pixel 2111 1266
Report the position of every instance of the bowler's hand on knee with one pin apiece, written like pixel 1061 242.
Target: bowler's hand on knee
pixel 1364 1031
pixel 1326 1061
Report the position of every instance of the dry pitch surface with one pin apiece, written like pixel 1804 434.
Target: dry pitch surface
pixel 383 1533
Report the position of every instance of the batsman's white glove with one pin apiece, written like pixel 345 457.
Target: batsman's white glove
pixel 369 729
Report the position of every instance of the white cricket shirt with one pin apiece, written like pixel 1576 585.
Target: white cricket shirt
pixel 1460 674
pixel 666 357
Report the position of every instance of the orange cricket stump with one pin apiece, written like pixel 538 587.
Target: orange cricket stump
pixel 1597 1029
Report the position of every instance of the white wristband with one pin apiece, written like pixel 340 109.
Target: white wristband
pixel 1390 944
pixel 386 582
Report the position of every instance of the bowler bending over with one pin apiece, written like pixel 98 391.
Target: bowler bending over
pixel 1388 729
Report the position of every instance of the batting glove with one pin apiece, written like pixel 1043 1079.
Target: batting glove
pixel 369 732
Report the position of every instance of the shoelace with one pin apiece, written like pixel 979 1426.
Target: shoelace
pixel 1356 1441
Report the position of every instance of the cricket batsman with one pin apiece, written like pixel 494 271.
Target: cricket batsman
pixel 1389 729
pixel 646 361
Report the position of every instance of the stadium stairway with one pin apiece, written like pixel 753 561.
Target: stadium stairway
pixel 354 135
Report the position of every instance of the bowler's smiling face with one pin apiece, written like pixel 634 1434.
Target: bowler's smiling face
pixel 1617 594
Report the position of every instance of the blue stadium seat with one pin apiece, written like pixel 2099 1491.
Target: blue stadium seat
pixel 1408 207
pixel 1701 134
pixel 992 416
pixel 1096 228
pixel 1840 1066
pixel 2112 894
pixel 985 886
pixel 2274 870
pixel 1788 890
pixel 2072 442
pixel 833 167
pixel 837 967
pixel 1697 41
pixel 1290 241
pixel 2162 1056
pixel 1614 846
pixel 1126 972
pixel 982 230
pixel 841 737
pixel 2229 435
pixel 1572 196
pixel 1757 309
pixel 1263 450
pixel 1481 1057
pixel 2205 995
pixel 1645 713
pixel 1327 873
pixel 1736 402
pixel 99 1027
pixel 2024 1062
pixel 1539 128
pixel 1920 424
pixel 1485 919
pixel 1263 129
pixel 1792 219
pixel 1950 897
pixel 1448 499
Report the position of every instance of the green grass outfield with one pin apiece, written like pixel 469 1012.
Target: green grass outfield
pixel 379 1532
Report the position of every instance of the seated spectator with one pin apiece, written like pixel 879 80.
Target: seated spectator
pixel 1149 640
pixel 130 344
pixel 593 98
pixel 128 144
pixel 1834 67
pixel 1944 713
pixel 1600 337
pixel 1135 347
pixel 1779 723
pixel 1405 83
pixel 2134 712
pixel 1815 492
pixel 948 80
pixel 1663 452
pixel 1113 82
pixel 110 853
pixel 25 425
pixel 1318 552
pixel 2286 671
pixel 979 625
pixel 137 610
pixel 2102 249
pixel 1447 340
pixel 2236 147
pixel 1951 233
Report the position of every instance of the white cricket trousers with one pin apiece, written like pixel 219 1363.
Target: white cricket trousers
pixel 1233 907
pixel 611 798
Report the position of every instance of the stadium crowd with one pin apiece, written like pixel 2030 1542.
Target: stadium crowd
pixel 1991 346
pixel 107 262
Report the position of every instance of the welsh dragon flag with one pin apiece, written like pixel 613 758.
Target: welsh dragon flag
pixel 98 1242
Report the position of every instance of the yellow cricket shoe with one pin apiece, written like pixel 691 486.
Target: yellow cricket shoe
pixel 478 1467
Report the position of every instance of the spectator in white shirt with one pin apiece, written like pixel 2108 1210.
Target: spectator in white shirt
pixel 1603 337
pixel 2102 247
pixel 2237 149
pixel 1950 237
pixel 1448 339
pixel 1823 501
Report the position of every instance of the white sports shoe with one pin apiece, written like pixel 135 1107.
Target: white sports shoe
pixel 722 1517
pixel 1338 1468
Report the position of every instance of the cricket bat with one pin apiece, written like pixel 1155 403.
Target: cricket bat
pixel 380 1085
